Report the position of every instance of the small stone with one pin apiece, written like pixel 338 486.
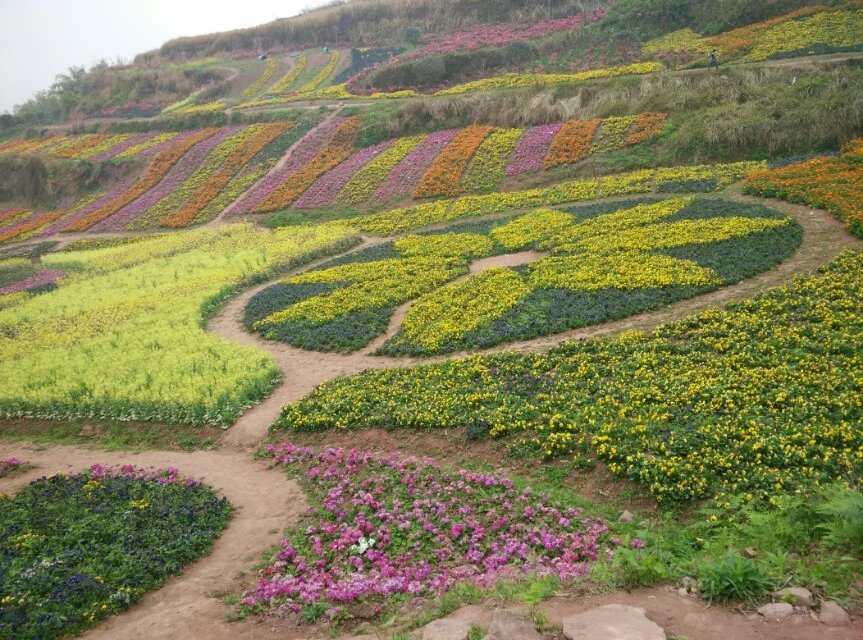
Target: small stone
pixel 749 552
pixel 776 610
pixel 612 622
pixel 833 615
pixel 795 595
pixel 682 591
pixel 626 516
pixel 446 629
pixel 507 625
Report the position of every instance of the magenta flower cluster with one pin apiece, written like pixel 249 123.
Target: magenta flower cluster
pixel 404 177
pixel 382 525
pixel 11 465
pixel 325 189
pixel 532 147
pixel 303 151
pixel 178 174
pixel 40 279
pixel 168 475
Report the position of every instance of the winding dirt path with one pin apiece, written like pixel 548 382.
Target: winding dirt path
pixel 266 503
pixel 823 238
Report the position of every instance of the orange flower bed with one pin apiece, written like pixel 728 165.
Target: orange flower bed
pixel 646 126
pixel 572 143
pixel 155 172
pixel 34 224
pixel 232 164
pixel 338 150
pixel 443 177
pixel 834 184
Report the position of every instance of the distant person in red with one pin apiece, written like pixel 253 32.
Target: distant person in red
pixel 714 62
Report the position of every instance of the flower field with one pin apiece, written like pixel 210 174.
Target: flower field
pixel 384 529
pixel 122 336
pixel 663 180
pixel 192 177
pixel 605 262
pixel 269 68
pixel 285 82
pixel 834 184
pixel 793 33
pixel 91 147
pixel 79 548
pixel 757 399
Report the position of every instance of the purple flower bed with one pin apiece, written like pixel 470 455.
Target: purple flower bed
pixel 405 176
pixel 324 191
pixel 383 526
pixel 48 276
pixel 61 224
pixel 178 174
pixel 303 151
pixel 120 148
pixel 532 147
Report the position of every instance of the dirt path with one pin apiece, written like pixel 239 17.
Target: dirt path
pixel 823 238
pixel 266 501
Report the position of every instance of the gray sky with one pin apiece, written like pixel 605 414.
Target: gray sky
pixel 42 38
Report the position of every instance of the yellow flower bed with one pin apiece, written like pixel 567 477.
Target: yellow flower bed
pixel 461 245
pixel 682 39
pixel 519 80
pixel 382 283
pixel 452 311
pixel 267 73
pixel 531 228
pixel 490 160
pixel 322 75
pixel 613 133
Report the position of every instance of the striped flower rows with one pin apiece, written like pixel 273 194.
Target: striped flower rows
pixel 302 153
pixel 366 180
pixel 93 147
pixel 284 84
pixel 262 80
pixel 322 75
pixel 407 173
pixel 337 150
pixel 443 177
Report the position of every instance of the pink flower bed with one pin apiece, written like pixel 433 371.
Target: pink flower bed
pixel 529 154
pixel 381 526
pixel 324 191
pixel 169 475
pixel 500 35
pixel 178 174
pixel 302 152
pixel 404 177
pixel 48 276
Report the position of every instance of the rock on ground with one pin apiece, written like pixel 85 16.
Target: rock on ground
pixel 776 610
pixel 798 595
pixel 446 629
pixel 507 625
pixel 612 622
pixel 833 615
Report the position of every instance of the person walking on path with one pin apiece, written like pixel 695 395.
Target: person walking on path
pixel 714 62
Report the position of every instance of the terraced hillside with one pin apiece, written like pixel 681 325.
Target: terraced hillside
pixel 474 317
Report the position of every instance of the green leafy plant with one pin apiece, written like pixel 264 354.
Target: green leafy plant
pixel 733 578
